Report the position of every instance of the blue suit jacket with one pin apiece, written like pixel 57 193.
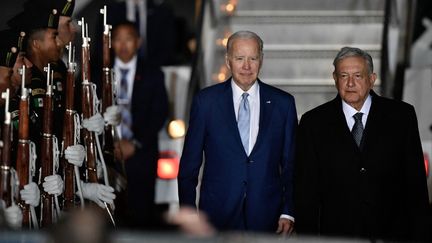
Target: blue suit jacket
pixel 240 191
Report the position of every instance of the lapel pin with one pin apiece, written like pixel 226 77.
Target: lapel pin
pixel 268 101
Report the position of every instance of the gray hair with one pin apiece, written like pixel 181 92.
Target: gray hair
pixel 245 34
pixel 354 52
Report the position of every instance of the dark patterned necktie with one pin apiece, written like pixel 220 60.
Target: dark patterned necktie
pixel 124 102
pixel 357 130
pixel 123 94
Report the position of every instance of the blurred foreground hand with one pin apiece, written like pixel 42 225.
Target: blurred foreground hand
pixel 192 223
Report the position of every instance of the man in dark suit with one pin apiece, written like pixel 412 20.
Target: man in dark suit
pixel 246 130
pixel 359 165
pixel 143 101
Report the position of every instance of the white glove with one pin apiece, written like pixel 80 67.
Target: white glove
pixel 98 193
pixel 94 124
pixel 14 216
pixel 75 154
pixel 53 185
pixel 112 115
pixel 31 194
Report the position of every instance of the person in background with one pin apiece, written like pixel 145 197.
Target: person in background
pixel 142 98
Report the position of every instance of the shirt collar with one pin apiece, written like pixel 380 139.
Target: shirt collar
pixel 349 111
pixel 129 65
pixel 237 91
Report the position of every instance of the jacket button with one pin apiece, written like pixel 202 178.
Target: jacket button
pixel 362 170
pixel 250 161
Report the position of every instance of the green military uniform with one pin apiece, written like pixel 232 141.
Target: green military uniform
pixel 37 17
pixel 11 43
pixel 64 8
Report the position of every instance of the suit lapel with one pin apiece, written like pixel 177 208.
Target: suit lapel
pixel 227 112
pixel 339 124
pixel 266 109
pixel 137 89
pixel 373 119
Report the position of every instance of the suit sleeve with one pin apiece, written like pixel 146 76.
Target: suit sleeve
pixel 306 191
pixel 415 181
pixel 191 159
pixel 287 166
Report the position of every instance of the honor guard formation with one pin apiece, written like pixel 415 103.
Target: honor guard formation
pixel 69 142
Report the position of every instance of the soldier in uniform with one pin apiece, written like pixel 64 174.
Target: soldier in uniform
pixel 66 31
pixel 40 24
pixel 12 57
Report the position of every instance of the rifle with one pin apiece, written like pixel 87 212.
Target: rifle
pixel 47 156
pixel 5 175
pixel 88 100
pixel 88 109
pixel 116 171
pixel 107 87
pixel 23 150
pixel 69 132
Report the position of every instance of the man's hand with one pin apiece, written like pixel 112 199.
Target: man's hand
pixel 285 227
pixel 124 149
pixel 191 222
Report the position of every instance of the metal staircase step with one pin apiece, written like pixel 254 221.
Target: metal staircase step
pixel 310 5
pixel 309 16
pixel 316 33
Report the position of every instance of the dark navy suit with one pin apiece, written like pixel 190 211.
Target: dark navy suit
pixel 239 192
pixel 149 109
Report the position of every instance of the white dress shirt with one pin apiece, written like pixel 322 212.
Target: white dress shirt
pixel 254 106
pixel 131 65
pixel 349 112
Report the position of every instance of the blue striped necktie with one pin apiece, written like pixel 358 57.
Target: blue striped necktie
pixel 243 121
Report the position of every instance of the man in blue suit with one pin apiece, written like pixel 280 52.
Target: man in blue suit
pixel 246 129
